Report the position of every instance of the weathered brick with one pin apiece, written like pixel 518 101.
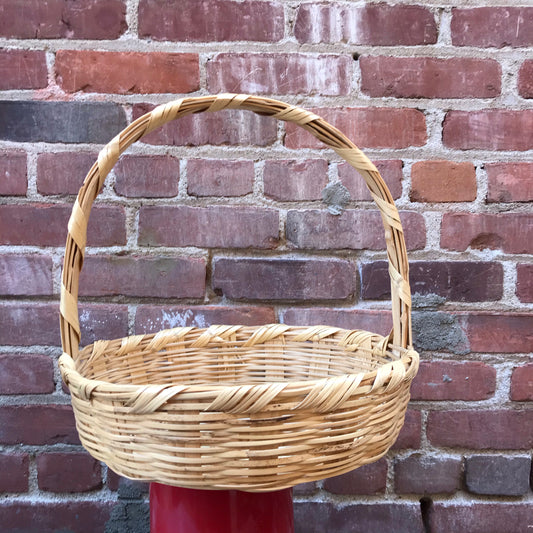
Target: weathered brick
pixel 219 177
pixel 23 69
pixel 127 488
pixel 367 127
pixel 460 281
pixel 497 475
pixel 211 21
pixel 13 173
pixel 427 474
pixel 522 383
pixel 374 24
pixel 73 122
pixel 68 472
pixel 233 127
pixel 24 275
pixel 443 181
pixel 26 374
pixel 481 429
pixel 15 471
pixel 327 75
pixel 305 489
pixel 79 516
pixel 524 282
pixel 489 129
pixel 103 322
pixel 510 182
pixel 37 424
pixel 211 227
pixel 127 72
pixel 368 479
pixel 283 279
pixel 295 180
pixel 63 172
pixel 390 170
pixel 164 277
pixel 525 79
pixel 152 318
pixel 450 380
pixel 410 434
pixel 510 232
pixel 492 26
pixel 321 517
pixel 430 77
pixel 46 225
pixel 152 176
pixel 352 229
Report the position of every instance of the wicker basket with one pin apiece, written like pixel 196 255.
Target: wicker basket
pixel 235 407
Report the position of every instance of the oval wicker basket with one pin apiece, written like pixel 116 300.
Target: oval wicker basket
pixel 235 407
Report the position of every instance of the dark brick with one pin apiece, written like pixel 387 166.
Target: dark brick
pixel 410 434
pixel 283 279
pixel 60 122
pixel 24 275
pixel 68 472
pixel 522 383
pixel 305 489
pixel 367 479
pixel 127 488
pixel 497 475
pixel 26 374
pixel 63 172
pixel 219 177
pixel 391 172
pixel 524 282
pixel 103 322
pixel 352 229
pixel 23 69
pixel 460 281
pixel 13 173
pixel 43 318
pixel 424 474
pixel 15 470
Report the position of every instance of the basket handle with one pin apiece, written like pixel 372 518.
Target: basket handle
pixel 108 156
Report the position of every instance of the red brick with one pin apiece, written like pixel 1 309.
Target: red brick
pixel 327 75
pixel 68 472
pixel 211 21
pixel 481 429
pixel 46 225
pixel 37 424
pixel 14 468
pixel 54 19
pixel 525 79
pixel 492 27
pixel 151 318
pixel 23 69
pixel 524 282
pixel 211 227
pixel 151 176
pixel 410 434
pixel 462 281
pixel 355 230
pixel 170 277
pixel 489 129
pixel 295 180
pixel 368 479
pixel 522 383
pixel 390 170
pixel 63 172
pixel 78 516
pixel 103 322
pixel 493 517
pixel 430 77
pixel 449 380
pixel 26 374
pixel 219 177
pixel 23 275
pixel 367 127
pixel 374 24
pixel 127 72
pixel 443 181
pixel 13 173
pixel 423 474
pixel 233 127
pixel 283 279
pixel 510 232
pixel 510 182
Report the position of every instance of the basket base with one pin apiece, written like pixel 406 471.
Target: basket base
pixel 179 510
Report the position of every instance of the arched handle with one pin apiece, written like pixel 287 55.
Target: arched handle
pixel 77 226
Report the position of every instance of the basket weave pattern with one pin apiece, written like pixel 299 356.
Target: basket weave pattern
pixel 249 408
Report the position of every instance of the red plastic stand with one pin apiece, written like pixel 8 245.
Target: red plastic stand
pixel 178 510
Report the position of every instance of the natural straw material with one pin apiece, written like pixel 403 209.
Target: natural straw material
pixel 236 407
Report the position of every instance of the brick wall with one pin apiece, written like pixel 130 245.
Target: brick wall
pixel 214 219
